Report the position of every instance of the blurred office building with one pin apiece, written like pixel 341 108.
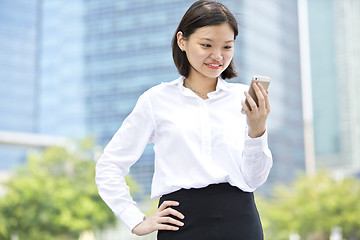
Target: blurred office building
pixel 269 45
pixel 127 50
pixel 19 84
pixel 334 37
pixel 62 109
pixel 97 57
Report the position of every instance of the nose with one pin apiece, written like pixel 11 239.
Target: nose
pixel 216 55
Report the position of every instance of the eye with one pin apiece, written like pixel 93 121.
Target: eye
pixel 206 45
pixel 228 47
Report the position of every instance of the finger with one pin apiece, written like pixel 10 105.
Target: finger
pixel 166 204
pixel 266 97
pixel 267 103
pixel 171 211
pixel 167 227
pixel 245 108
pixel 251 102
pixel 262 89
pixel 260 92
pixel 268 108
pixel 171 220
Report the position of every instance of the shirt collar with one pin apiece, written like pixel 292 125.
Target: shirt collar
pixel 221 85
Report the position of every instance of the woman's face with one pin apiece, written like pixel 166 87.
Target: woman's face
pixel 209 50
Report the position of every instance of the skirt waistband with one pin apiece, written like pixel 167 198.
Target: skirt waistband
pixel 220 188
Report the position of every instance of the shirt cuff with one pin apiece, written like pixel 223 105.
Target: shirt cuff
pixel 132 216
pixel 259 143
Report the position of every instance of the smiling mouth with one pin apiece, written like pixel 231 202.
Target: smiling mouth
pixel 213 65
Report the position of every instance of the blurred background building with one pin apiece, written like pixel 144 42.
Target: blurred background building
pixel 77 69
pixel 19 42
pixel 335 69
pixel 274 51
pixel 62 109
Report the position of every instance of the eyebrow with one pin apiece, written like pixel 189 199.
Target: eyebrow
pixel 208 39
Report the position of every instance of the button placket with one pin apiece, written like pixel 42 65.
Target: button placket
pixel 206 131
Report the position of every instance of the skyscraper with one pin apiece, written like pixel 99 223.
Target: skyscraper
pixel 97 57
pixel 128 51
pixel 347 38
pixel 335 59
pixel 269 45
pixel 61 72
pixel 18 76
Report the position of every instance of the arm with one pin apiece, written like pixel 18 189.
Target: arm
pixel 257 159
pixel 124 149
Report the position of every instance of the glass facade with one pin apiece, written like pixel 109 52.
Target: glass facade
pixel 62 104
pixel 18 77
pixel 128 50
pixel 335 61
pixel 269 45
pixel 347 38
pixel 322 48
pixel 98 56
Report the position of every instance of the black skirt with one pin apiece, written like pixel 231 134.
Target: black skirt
pixel 216 212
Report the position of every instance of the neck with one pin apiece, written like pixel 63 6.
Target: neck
pixel 201 83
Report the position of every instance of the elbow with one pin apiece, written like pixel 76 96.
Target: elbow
pixel 255 182
pixel 102 172
pixel 258 177
pixel 99 169
pixel 99 175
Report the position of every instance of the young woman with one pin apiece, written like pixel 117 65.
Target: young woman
pixel 209 157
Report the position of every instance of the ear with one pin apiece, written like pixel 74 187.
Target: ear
pixel 181 41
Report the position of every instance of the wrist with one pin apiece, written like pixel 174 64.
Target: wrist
pixel 256 134
pixel 137 225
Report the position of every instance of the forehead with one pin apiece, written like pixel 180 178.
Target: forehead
pixel 222 32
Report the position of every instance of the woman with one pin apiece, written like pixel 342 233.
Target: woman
pixel 209 157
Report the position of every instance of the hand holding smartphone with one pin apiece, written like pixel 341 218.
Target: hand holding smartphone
pixel 265 81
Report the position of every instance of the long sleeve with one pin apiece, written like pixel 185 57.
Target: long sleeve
pixel 197 142
pixel 124 149
pixel 257 160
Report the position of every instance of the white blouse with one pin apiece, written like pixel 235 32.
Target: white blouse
pixel 197 142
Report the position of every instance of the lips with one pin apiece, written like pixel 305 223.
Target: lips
pixel 213 65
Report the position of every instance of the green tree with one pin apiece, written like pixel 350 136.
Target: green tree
pixel 54 196
pixel 312 206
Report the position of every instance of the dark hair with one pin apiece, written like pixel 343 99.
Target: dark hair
pixel 200 14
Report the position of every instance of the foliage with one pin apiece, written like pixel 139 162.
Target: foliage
pixel 312 206
pixel 54 196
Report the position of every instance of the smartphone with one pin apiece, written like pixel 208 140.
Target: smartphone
pixel 265 81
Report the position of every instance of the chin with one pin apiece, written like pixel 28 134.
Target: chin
pixel 210 74
pixel 213 75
